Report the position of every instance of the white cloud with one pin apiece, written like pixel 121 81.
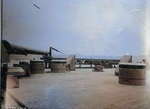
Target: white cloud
pixel 119 30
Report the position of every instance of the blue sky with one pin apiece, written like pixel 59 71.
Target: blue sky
pixel 98 27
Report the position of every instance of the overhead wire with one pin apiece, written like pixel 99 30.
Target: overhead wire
pixel 79 32
pixel 68 26
pixel 147 27
pixel 47 13
pixel 133 14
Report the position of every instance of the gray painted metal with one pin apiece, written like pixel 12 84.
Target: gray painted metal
pixel 71 61
pixel 98 68
pixel 58 67
pixel 15 49
pixel 4 55
pixel 132 64
pixel 125 58
pixel 132 73
pixel 37 67
pixel 16 71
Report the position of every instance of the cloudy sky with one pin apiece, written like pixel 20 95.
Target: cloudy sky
pixel 87 27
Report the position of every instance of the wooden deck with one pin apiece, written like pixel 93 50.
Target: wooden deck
pixel 80 89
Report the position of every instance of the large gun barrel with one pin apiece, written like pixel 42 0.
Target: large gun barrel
pixel 15 49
